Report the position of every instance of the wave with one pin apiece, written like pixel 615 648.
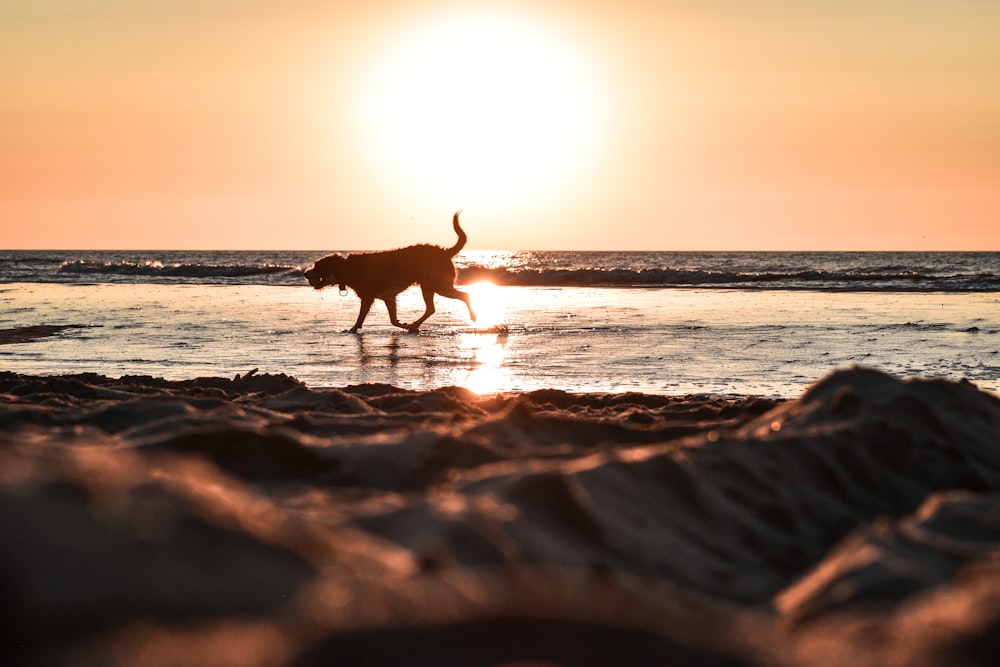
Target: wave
pixel 153 268
pixel 896 279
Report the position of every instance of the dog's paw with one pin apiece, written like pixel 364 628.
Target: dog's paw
pixel 354 330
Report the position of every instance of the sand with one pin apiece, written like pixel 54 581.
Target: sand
pixel 257 521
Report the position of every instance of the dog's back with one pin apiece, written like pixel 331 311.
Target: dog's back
pixel 392 271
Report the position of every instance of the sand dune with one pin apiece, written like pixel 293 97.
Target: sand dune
pixel 257 521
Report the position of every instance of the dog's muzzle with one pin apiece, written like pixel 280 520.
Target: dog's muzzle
pixel 314 278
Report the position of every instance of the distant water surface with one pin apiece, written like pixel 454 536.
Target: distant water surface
pixel 855 271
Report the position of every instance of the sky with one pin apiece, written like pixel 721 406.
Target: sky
pixel 632 125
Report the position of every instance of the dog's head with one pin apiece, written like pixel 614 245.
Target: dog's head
pixel 324 272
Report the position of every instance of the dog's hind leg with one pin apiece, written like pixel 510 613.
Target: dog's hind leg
pixel 366 305
pixel 453 293
pixel 428 308
pixel 390 305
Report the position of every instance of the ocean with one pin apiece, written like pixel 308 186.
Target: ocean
pixel 765 323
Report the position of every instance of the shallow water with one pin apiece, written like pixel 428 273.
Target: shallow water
pixel 651 340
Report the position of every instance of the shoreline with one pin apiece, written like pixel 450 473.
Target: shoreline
pixel 145 517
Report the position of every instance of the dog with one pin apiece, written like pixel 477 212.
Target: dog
pixel 383 275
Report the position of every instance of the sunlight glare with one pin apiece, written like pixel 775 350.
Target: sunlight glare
pixel 486 107
pixel 490 304
pixel 488 354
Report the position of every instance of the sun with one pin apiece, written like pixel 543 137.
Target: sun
pixel 485 107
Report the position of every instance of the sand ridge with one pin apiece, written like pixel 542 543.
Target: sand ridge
pixel 255 520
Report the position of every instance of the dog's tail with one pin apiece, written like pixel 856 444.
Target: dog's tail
pixel 460 243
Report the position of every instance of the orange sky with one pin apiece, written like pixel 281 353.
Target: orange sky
pixel 719 124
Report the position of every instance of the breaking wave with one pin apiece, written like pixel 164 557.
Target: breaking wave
pixel 153 268
pixel 875 280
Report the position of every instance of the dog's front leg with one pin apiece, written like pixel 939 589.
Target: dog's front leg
pixel 390 305
pixel 366 305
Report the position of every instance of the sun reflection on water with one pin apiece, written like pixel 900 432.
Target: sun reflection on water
pixel 490 259
pixel 485 348
pixel 487 353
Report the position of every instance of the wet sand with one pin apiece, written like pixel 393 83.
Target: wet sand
pixel 257 521
pixel 30 334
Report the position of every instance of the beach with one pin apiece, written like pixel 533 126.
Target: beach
pixel 499 334
pixel 254 520
pixel 774 459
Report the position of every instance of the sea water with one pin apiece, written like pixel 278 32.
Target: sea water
pixel 668 323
